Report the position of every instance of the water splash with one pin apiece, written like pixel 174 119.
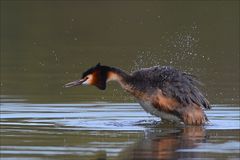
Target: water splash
pixel 179 49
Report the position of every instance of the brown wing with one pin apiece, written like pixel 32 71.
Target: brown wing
pixel 184 88
pixel 174 84
pixel 190 114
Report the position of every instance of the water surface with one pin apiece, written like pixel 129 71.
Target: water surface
pixel 113 131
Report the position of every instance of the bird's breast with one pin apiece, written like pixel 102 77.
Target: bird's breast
pixel 148 107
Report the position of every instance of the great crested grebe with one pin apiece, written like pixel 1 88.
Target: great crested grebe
pixel 162 91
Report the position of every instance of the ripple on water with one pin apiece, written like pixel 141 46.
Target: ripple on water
pixel 126 116
pixel 107 130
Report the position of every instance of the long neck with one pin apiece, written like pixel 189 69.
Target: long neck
pixel 123 78
pixel 126 81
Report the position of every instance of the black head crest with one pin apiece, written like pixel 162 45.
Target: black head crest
pixel 98 65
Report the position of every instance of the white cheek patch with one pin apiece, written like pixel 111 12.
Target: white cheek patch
pixel 88 81
pixel 85 83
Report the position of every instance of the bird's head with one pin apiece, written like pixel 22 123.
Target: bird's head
pixel 96 75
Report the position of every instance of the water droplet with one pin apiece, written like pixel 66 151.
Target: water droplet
pixel 42 64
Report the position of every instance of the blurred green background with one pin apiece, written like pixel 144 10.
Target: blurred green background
pixel 45 44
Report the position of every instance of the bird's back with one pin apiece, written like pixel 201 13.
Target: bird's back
pixel 173 87
pixel 172 82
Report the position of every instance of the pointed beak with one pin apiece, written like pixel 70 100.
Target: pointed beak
pixel 75 83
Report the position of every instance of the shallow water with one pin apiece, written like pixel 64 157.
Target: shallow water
pixel 112 131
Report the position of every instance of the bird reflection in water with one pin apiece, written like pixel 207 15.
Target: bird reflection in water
pixel 165 143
